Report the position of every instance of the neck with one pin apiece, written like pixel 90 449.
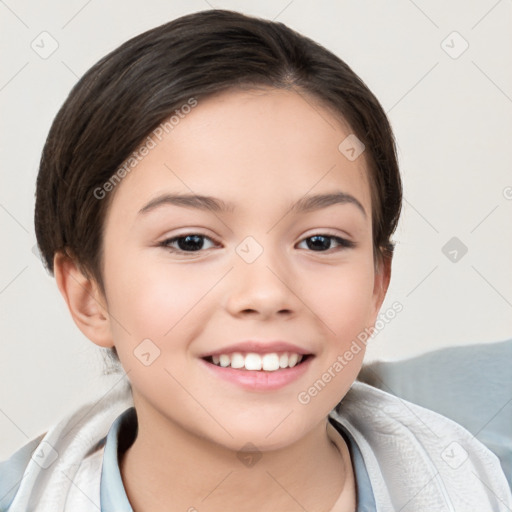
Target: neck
pixel 168 468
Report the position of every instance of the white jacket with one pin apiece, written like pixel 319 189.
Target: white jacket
pixel 417 460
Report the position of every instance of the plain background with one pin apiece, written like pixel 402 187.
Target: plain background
pixel 450 108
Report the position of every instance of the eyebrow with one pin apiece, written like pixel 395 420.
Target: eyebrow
pixel 213 204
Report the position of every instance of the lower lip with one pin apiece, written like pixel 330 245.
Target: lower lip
pixel 260 380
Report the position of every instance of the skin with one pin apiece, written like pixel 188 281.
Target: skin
pixel 263 150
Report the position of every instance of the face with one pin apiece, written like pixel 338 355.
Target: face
pixel 188 287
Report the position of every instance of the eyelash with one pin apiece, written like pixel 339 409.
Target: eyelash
pixel 343 242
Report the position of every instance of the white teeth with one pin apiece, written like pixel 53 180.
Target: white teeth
pixel 270 362
pixel 251 361
pixel 292 360
pixel 237 360
pixel 224 360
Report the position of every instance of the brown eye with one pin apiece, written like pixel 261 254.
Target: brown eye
pixel 190 242
pixel 322 242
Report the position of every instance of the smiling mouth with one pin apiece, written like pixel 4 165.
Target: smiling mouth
pixel 252 361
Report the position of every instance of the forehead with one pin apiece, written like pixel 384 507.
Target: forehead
pixel 247 147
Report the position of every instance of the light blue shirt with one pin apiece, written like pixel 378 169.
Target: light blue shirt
pixel 123 431
pixel 365 496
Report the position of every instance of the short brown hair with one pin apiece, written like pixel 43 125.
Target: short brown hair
pixel 133 89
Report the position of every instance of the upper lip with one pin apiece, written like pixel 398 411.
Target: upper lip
pixel 258 347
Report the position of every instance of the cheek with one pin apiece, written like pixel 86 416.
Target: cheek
pixel 153 299
pixel 342 299
pixel 157 301
pixel 342 296
pixel 152 306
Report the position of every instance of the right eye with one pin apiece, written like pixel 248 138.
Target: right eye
pixel 187 243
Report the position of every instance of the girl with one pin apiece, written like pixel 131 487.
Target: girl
pixel 216 200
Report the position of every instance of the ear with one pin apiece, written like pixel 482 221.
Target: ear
pixel 86 303
pixel 381 284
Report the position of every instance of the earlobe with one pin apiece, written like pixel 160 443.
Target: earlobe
pixel 85 302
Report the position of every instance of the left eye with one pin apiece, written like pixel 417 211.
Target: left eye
pixel 194 242
pixel 325 242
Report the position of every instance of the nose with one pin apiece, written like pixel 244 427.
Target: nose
pixel 263 287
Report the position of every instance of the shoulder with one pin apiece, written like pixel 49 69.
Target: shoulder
pixel 20 472
pixel 42 473
pixel 435 460
pixel 13 469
